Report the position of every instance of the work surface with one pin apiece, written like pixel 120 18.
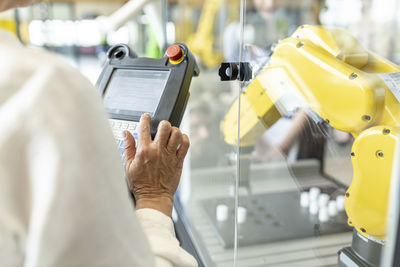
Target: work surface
pixel 271 217
pixel 259 244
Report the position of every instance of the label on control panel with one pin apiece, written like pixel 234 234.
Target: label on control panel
pixel 392 81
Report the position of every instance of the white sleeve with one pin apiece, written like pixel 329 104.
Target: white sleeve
pixel 160 232
pixel 63 196
pixel 81 214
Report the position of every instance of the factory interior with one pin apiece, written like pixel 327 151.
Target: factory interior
pixel 292 118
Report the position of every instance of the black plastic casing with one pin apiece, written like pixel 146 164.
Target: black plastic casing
pixel 175 96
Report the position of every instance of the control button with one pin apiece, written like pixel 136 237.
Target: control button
pixel 175 54
pixel 132 127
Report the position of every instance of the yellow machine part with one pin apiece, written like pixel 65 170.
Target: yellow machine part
pixel 8 24
pixel 201 43
pixel 377 64
pixel 346 49
pixel 367 197
pixel 257 113
pixel 335 41
pixel 338 79
pixel 350 99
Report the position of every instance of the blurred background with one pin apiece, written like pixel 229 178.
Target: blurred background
pixel 291 157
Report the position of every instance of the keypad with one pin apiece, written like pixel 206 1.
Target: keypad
pixel 118 126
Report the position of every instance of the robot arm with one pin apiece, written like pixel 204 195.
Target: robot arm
pixel 329 71
pixel 152 9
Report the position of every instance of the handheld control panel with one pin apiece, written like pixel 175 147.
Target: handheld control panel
pixel 132 86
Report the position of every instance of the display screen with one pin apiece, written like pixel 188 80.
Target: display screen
pixel 134 92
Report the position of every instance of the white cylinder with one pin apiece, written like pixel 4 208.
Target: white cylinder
pixel 323 215
pixel 332 210
pixel 242 213
pixel 323 200
pixel 304 199
pixel 222 212
pixel 314 193
pixel 340 203
pixel 313 209
pixel 232 190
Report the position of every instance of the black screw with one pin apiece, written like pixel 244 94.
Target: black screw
pixel 366 117
pixel 386 131
pixel 353 76
pixel 380 154
pixel 363 230
pixel 352 154
pixel 347 194
pixel 299 44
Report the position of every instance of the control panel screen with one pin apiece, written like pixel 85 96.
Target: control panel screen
pixel 134 92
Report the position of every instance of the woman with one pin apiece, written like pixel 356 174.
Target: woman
pixel 63 199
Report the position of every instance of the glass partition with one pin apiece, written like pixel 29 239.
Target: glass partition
pixel 317 133
pixel 207 192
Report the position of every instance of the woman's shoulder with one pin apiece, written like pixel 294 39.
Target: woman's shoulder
pixel 19 64
pixel 22 59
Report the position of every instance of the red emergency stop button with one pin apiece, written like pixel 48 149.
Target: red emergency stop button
pixel 175 54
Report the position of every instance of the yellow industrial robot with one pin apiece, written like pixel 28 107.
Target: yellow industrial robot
pixel 353 90
pixel 202 42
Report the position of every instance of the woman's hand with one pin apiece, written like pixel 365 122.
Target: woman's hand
pixel 154 168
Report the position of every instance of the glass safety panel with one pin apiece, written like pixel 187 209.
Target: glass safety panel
pixel 206 199
pixel 317 133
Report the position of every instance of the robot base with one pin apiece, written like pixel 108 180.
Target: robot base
pixel 363 252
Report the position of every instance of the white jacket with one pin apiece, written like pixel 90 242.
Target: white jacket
pixel 63 197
